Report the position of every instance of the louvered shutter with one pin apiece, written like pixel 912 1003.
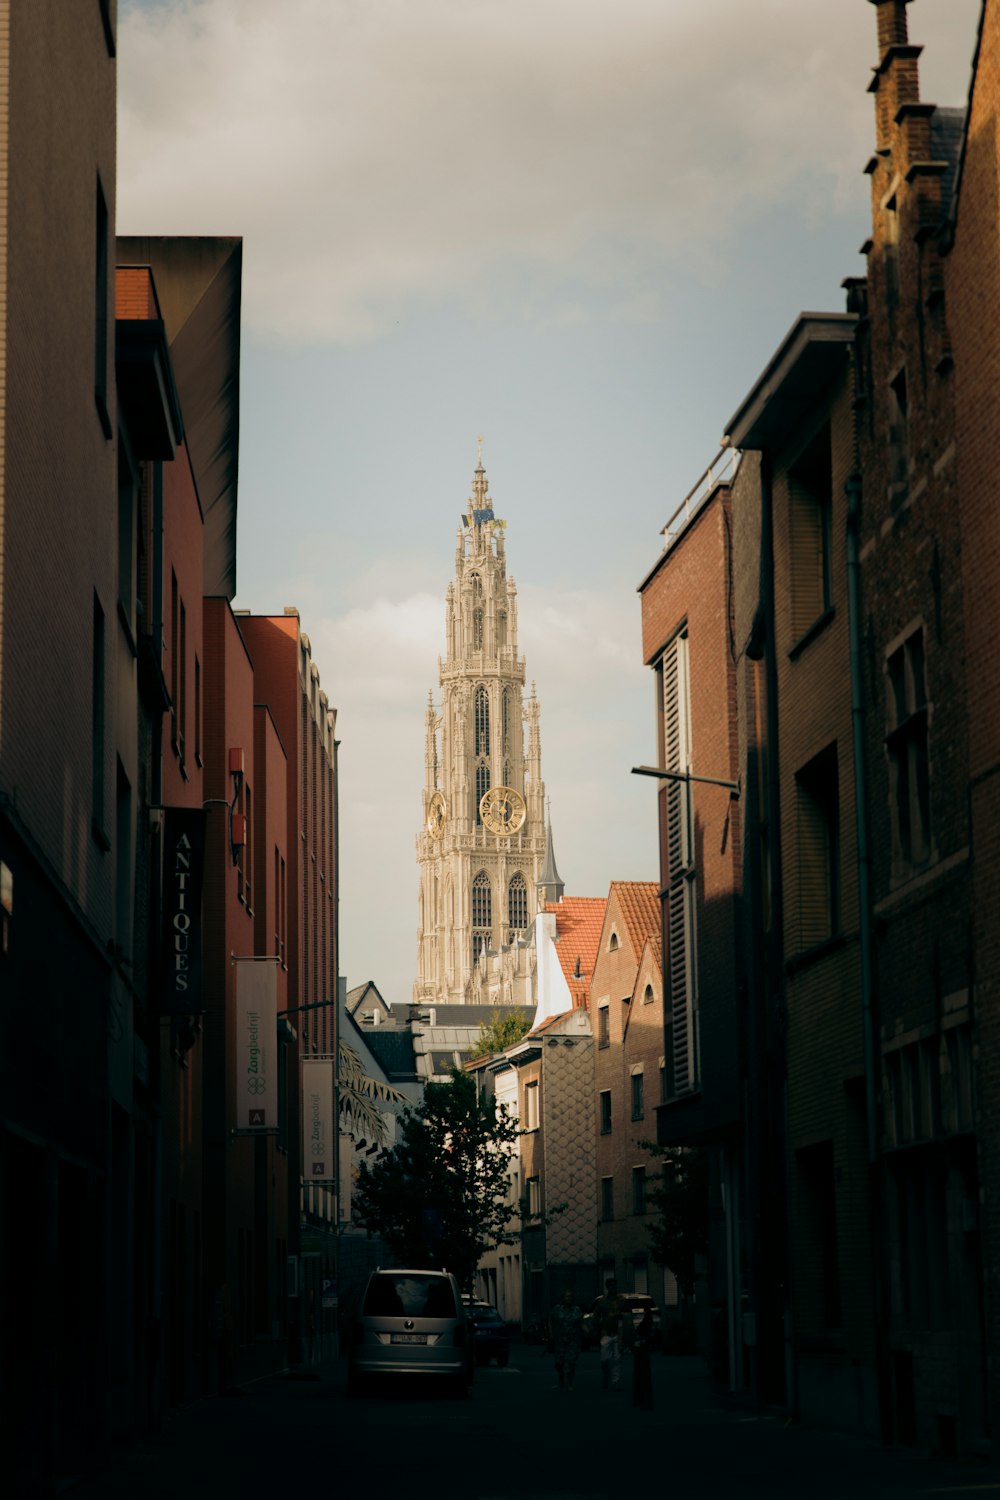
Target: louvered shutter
pixel 680 874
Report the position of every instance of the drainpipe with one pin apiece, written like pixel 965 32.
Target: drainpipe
pixel 775 1021
pixel 869 1015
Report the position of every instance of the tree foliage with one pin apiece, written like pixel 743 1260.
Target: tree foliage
pixel 360 1097
pixel 679 1233
pixel 506 1028
pixel 439 1198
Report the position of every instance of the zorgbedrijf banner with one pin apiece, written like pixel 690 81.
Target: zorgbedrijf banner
pixel 256 1056
pixel 318 1135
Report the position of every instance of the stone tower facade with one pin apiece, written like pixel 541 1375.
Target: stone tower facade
pixel 482 846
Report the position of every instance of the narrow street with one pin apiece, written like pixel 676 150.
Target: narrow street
pixel 516 1436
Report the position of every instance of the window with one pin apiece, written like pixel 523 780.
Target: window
pixel 637 1098
pixel 477 630
pixel 531 1105
pixel 607 1198
pixel 663 1079
pixel 907 748
pixel 126 544
pixel 677 860
pixel 647 995
pixel 517 906
pixel 817 823
pixel 174 670
pixel 638 1190
pixel 197 711
pixel 534 1188
pixel 481 721
pixel 123 864
pixel 505 722
pixel 97 725
pixel 603 1027
pixel 182 670
pixel 605 1097
pixel 482 787
pixel 810 497
pixel 482 914
pixel 613 942
pixel 101 286
pixel 501 627
pixel 248 851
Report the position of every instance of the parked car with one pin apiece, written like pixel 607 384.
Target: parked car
pixel 636 1302
pixel 412 1323
pixel 490 1334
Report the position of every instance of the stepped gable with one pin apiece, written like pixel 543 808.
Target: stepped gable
pixel 579 922
pixel 639 904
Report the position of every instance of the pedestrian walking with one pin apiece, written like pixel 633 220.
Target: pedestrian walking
pixel 613 1323
pixel 642 1363
pixel 566 1337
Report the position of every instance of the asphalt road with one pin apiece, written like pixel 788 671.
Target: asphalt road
pixel 517 1437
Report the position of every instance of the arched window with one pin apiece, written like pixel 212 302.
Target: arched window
pixel 482 914
pixel 482 786
pixel 477 587
pixel 477 630
pixel 481 720
pixel 501 627
pixel 517 906
pixel 505 718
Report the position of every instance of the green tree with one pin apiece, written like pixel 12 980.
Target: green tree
pixel 506 1028
pixel 679 1233
pixel 439 1198
pixel 360 1097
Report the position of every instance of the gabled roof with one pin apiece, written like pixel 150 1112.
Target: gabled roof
pixel 639 904
pixel 579 921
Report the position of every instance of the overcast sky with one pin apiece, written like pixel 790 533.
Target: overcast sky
pixel 577 227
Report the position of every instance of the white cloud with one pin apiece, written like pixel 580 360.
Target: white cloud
pixel 387 152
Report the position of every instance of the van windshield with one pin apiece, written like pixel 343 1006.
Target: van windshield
pixel 409 1295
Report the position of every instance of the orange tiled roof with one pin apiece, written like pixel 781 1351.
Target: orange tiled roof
pixel 579 920
pixel 639 904
pixel 544 1026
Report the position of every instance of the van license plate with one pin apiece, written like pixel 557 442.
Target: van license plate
pixel 409 1338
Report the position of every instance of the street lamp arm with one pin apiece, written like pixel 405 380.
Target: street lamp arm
pixel 662 774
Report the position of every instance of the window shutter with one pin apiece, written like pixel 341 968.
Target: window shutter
pixel 680 898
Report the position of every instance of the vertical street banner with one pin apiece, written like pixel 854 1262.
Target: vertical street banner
pixel 181 988
pixel 319 1139
pixel 256 1045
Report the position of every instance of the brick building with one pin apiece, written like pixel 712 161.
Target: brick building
pixel 862 554
pixel 287 680
pixel 795 617
pixel 627 1073
pixel 921 583
pixel 972 285
pixel 67 743
pixel 687 632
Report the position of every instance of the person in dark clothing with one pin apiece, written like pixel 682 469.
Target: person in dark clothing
pixel 642 1365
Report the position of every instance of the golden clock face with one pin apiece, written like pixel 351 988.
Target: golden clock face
pixel 502 810
pixel 437 813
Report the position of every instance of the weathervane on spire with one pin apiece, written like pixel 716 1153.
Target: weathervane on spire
pixel 479 451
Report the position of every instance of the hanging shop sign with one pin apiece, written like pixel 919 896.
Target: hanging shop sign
pixel 318 1136
pixel 183 865
pixel 256 1045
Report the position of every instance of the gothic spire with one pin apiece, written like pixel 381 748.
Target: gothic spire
pixel 550 887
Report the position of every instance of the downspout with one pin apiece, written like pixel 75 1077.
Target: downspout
pixel 869 1016
pixel 776 1022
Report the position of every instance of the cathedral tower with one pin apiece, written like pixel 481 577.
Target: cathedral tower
pixel 482 846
